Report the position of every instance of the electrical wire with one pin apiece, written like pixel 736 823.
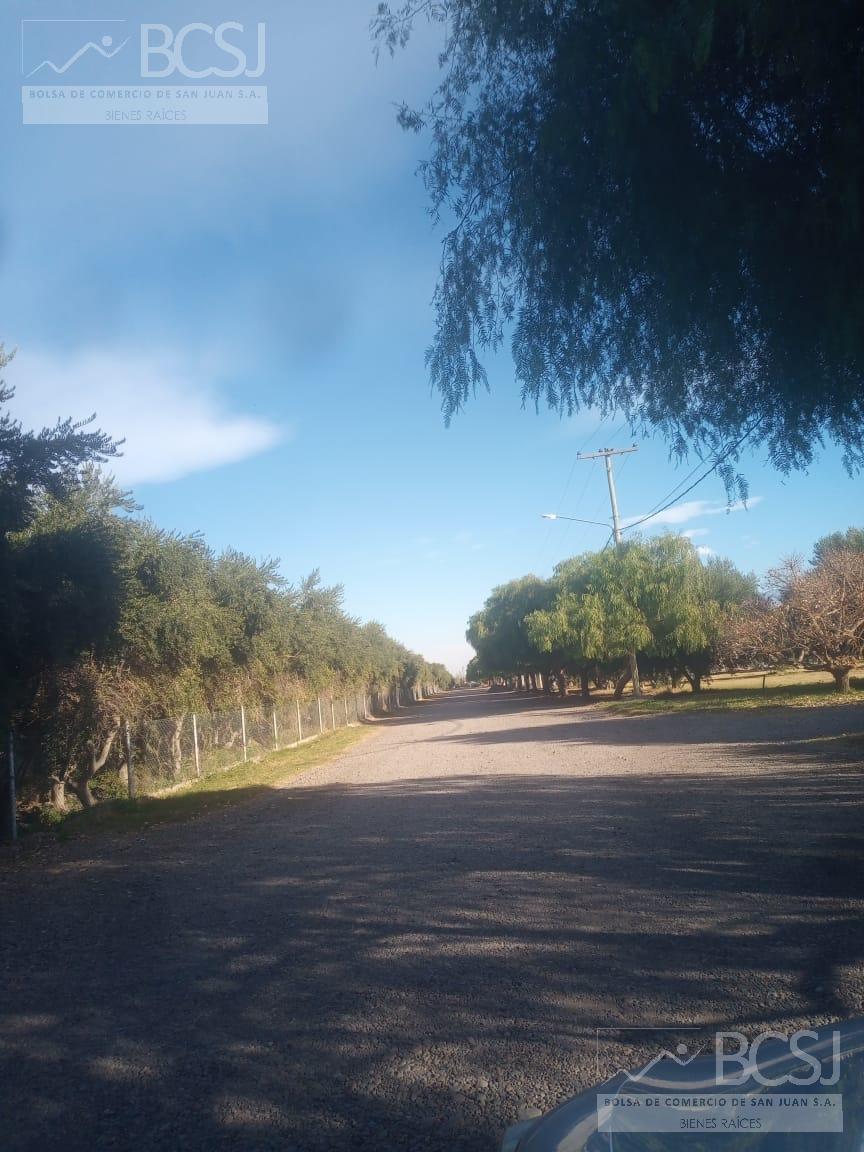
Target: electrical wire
pixel 719 460
pixel 673 491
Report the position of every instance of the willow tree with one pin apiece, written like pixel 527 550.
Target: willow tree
pixel 660 205
pixel 499 635
pixel 572 628
pixel 653 596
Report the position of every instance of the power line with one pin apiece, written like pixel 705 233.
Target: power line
pixel 673 491
pixel 720 460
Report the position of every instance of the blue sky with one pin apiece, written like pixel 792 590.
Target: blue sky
pixel 249 307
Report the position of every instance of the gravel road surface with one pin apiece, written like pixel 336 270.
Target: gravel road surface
pixel 402 948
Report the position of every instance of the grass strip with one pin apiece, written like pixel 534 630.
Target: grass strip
pixel 738 699
pixel 210 794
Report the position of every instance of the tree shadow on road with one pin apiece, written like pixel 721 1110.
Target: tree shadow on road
pixel 593 727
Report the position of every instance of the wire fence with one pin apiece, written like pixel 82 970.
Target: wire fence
pixel 153 756
pixel 180 749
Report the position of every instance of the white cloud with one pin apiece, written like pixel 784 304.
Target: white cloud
pixel 170 413
pixel 704 551
pixel 692 533
pixel 692 510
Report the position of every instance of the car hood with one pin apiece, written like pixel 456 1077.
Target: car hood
pixel 573 1126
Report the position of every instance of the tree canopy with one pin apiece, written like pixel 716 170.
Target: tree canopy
pixel 660 205
pixel 852 540
pixel 654 596
pixel 685 617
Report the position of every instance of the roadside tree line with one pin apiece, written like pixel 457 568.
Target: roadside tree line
pixel 105 616
pixel 684 617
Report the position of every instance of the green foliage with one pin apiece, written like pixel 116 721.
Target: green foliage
pixel 174 634
pixel 499 632
pixel 34 465
pixel 654 597
pixel 727 585
pixel 46 474
pixel 659 204
pixel 852 540
pixel 109 617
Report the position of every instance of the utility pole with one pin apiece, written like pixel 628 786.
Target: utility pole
pixel 606 454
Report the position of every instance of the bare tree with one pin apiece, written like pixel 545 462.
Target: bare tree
pixel 822 614
pixel 813 617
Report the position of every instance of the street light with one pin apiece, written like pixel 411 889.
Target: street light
pixel 575 519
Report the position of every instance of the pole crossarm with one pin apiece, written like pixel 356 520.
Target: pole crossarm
pixel 601 452
pixel 575 519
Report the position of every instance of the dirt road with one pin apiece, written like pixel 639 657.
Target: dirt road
pixel 401 948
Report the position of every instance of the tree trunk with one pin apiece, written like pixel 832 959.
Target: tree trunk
pixel 98 760
pixel 547 684
pixel 562 683
pixel 82 790
pixel 841 679
pixel 176 749
pixel 621 683
pixel 634 675
pixel 694 680
pixel 58 794
pixel 584 684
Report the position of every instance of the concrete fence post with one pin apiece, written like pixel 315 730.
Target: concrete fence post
pixel 345 702
pixel 243 727
pixel 333 713
pixel 12 818
pixel 195 745
pixel 320 716
pixel 299 722
pixel 131 782
pixel 275 732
